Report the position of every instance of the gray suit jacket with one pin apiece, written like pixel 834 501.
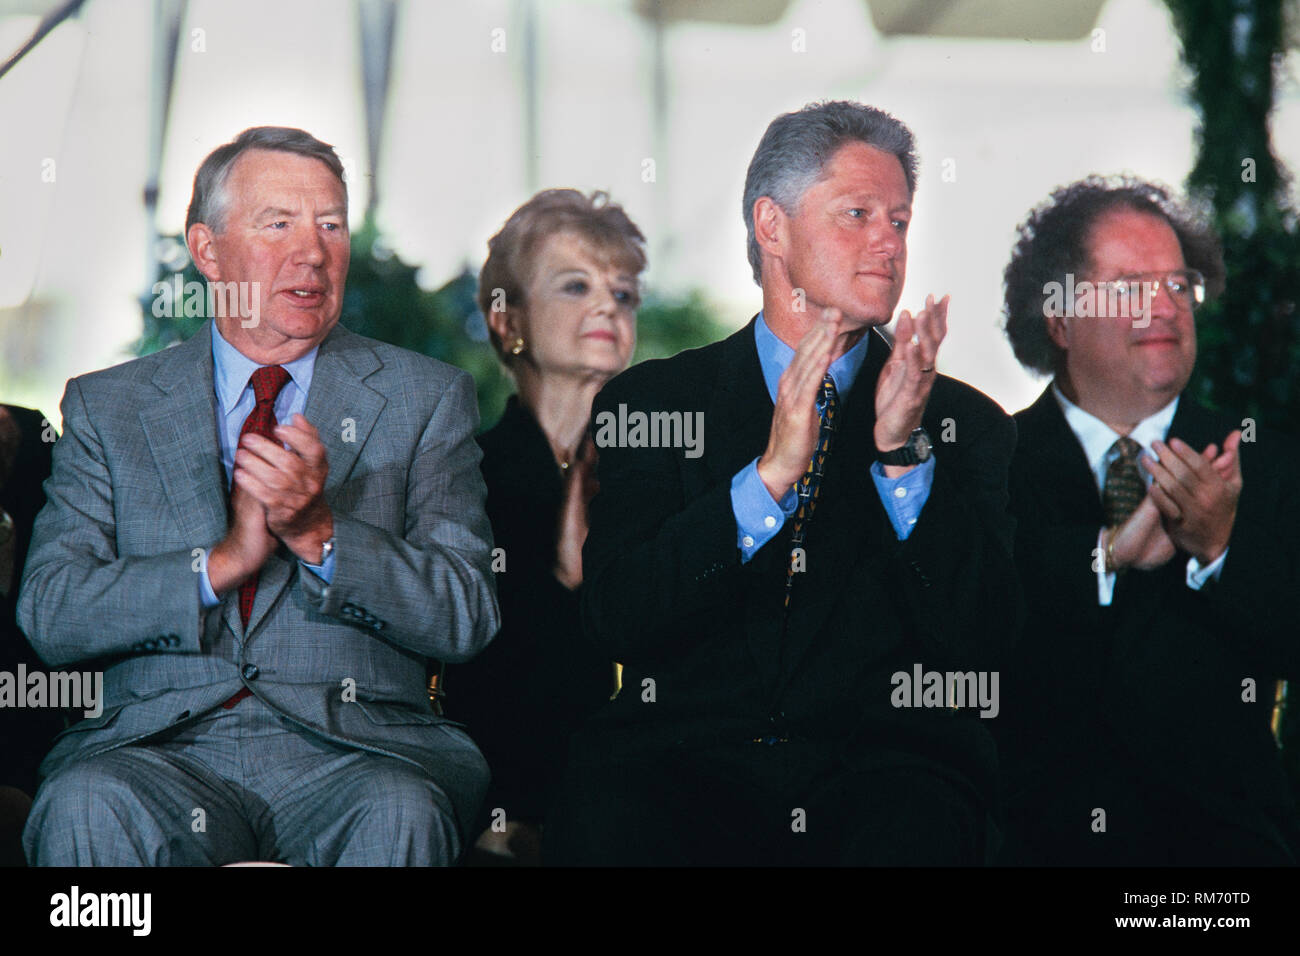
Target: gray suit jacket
pixel 138 486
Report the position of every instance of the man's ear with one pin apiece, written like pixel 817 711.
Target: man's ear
pixel 1057 331
pixel 769 226
pixel 203 250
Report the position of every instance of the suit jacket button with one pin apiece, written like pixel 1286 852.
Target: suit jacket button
pixel 250 672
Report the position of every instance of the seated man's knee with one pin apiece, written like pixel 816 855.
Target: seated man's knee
pixel 91 800
pixel 400 817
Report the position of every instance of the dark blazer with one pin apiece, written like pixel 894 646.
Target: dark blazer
pixel 667 595
pixel 526 693
pixel 1150 688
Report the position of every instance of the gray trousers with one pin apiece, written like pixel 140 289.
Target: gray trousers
pixel 241 784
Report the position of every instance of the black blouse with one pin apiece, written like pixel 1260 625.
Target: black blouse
pixel 538 680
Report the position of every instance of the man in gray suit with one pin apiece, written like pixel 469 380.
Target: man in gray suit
pixel 263 599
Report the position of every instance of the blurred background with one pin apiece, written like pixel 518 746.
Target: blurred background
pixel 450 113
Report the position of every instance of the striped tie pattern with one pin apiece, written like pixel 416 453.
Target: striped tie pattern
pixel 810 484
pixel 1124 488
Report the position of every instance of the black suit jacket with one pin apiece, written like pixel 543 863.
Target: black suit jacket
pixel 667 595
pixel 1150 686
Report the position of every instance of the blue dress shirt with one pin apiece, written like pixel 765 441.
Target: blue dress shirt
pixel 758 517
pixel 231 371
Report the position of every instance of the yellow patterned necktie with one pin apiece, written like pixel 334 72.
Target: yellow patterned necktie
pixel 1124 488
pixel 810 485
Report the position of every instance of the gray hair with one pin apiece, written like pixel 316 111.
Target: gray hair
pixel 210 200
pixel 793 154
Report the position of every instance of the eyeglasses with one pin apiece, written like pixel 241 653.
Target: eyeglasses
pixel 1186 288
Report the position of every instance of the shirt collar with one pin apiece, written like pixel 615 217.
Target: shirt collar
pixel 774 355
pixel 1097 437
pixel 231 370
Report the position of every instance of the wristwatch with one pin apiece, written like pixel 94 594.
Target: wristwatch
pixel 915 450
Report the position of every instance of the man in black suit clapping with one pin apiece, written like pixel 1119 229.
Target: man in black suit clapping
pixel 1159 547
pixel 778 592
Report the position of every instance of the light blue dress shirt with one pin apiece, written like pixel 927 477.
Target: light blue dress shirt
pixel 231 371
pixel 758 517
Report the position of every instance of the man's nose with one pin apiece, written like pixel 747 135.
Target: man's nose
pixel 309 245
pixel 1162 304
pixel 887 240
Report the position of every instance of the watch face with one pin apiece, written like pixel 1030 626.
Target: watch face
pixel 921 445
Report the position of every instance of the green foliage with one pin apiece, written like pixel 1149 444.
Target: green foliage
pixel 163 330
pixel 1249 339
pixel 666 326
pixel 384 301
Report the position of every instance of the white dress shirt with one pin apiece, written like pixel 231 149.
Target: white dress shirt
pixel 1097 439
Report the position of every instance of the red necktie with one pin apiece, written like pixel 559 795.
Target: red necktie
pixel 266 382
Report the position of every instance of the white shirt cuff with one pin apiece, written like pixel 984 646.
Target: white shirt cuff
pixel 1105 581
pixel 1197 575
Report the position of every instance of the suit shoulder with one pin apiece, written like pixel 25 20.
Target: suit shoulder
pixel 404 361
pixel 953 398
pixel 140 369
pixel 1263 447
pixel 680 380
pixel 1040 416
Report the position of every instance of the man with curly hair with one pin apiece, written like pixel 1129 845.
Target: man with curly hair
pixel 1158 549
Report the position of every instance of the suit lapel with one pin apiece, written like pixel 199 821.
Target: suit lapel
pixel 739 412
pixel 341 406
pixel 1057 461
pixel 1196 426
pixel 343 410
pixel 180 426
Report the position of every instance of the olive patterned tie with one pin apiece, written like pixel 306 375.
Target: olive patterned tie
pixel 1124 488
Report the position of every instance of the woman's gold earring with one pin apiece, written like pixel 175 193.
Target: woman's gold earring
pixel 518 347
